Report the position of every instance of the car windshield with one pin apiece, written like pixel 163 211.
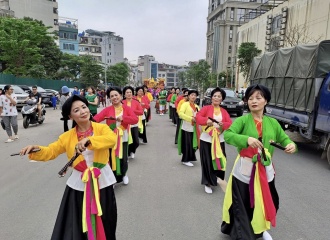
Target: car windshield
pixel 230 93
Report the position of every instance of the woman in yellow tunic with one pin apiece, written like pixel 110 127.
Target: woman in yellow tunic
pixel 188 134
pixel 90 186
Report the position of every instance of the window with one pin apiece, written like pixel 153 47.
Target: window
pixel 232 13
pixel 231 34
pixel 229 49
pixel 276 24
pixel 67 46
pixel 107 54
pixel 229 60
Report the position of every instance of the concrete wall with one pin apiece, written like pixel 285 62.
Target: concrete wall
pixel 307 18
pixel 37 9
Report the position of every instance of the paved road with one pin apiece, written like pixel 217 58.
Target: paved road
pixel 164 199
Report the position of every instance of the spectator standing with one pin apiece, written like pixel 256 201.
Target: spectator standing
pixel 64 96
pixel 8 112
pixel 92 100
pixel 75 91
pixel 54 101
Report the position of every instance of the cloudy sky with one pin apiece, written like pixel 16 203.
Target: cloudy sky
pixel 173 31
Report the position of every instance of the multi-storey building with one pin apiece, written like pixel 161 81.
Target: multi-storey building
pixel 5 9
pixel 68 35
pixel 103 46
pixel 43 10
pixel 224 18
pixel 287 23
pixel 144 67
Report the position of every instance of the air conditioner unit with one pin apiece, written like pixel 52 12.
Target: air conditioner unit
pixel 284 14
pixel 267 48
pixel 267 37
pixel 268 27
pixel 269 21
pixel 281 38
pixel 283 26
pixel 285 9
pixel 283 20
pixel 268 32
pixel 267 42
pixel 270 16
pixel 282 32
pixel 281 43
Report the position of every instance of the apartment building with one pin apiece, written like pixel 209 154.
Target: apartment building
pixel 43 10
pixel 103 46
pixel 224 18
pixel 5 10
pixel 68 35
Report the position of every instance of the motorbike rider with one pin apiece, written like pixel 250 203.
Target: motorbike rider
pixel 37 96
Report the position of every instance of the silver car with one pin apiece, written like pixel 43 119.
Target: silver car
pixel 20 94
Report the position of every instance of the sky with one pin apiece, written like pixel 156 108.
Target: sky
pixel 173 31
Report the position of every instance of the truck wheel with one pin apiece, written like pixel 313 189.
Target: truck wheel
pixel 26 122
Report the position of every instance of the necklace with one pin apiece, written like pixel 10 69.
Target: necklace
pixel 85 134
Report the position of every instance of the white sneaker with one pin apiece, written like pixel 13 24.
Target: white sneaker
pixel 132 155
pixel 125 180
pixel 9 140
pixel 16 137
pixel 189 164
pixel 266 236
pixel 208 189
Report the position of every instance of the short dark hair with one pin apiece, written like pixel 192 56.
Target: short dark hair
pixel 34 86
pixel 110 89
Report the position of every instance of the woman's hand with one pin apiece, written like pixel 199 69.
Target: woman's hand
pixel 193 120
pixel 28 149
pixel 290 148
pixel 80 146
pixel 119 119
pixel 209 123
pixel 254 143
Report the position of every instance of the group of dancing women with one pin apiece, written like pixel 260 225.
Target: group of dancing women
pixel 251 200
pixel 88 209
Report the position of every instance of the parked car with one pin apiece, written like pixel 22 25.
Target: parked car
pixel 20 94
pixel 45 96
pixel 52 91
pixel 231 103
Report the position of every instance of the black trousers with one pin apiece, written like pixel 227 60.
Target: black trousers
pixel 135 144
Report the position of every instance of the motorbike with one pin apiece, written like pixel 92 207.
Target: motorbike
pixel 30 113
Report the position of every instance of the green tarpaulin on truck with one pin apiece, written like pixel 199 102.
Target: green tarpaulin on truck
pixel 294 75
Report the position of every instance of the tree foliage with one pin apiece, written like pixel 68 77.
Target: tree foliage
pixel 118 74
pixel 90 71
pixel 246 52
pixel 198 76
pixel 70 66
pixel 28 48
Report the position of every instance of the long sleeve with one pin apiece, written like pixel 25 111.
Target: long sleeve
pixel 226 120
pixel 101 115
pixel 202 116
pixel 106 139
pixel 129 116
pixel 49 152
pixel 233 134
pixel 138 110
pixel 183 112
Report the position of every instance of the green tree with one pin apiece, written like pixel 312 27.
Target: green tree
pixel 182 78
pixel 70 66
pixel 118 74
pixel 25 46
pixel 246 52
pixel 90 71
pixel 198 76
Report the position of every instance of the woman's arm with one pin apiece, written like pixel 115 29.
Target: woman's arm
pixel 129 117
pixel 201 116
pixel 233 134
pixel 95 102
pixel 182 112
pixel 226 120
pixel 102 115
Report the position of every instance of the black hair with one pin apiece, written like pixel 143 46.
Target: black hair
pixel 6 88
pixel 127 88
pixel 137 89
pixel 110 89
pixel 35 86
pixel 66 108
pixel 217 89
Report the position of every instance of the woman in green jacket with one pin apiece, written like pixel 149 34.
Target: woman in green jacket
pixel 251 200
